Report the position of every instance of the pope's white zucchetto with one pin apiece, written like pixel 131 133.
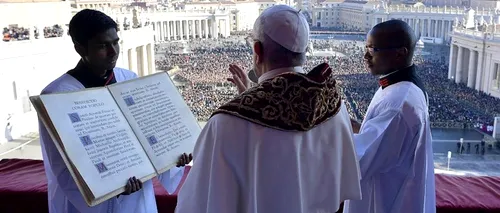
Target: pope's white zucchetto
pixel 285 26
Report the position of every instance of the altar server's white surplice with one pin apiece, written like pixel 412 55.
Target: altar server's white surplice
pixel 394 147
pixel 63 194
pixel 243 167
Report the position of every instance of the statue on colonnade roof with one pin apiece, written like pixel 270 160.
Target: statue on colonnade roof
pixel 418 4
pixel 135 19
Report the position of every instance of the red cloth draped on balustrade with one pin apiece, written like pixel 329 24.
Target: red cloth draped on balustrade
pixel 23 189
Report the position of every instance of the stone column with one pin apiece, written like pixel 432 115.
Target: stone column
pixel 186 29
pixel 479 72
pixel 167 30
pixel 443 30
pixel 193 29
pixel 452 62
pixel 458 77
pixel 174 26
pixel 228 27
pixel 144 61
pixel 181 29
pixel 215 28
pixel 237 21
pixel 200 34
pixel 414 25
pixel 417 27
pixel 206 28
pixel 151 58
pixel 156 30
pixel 429 21
pixel 132 60
pixel 162 30
pixel 436 32
pixel 471 80
pixel 422 26
pixel 450 29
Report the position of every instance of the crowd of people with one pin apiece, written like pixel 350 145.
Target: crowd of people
pixel 53 31
pixel 16 33
pixel 13 33
pixel 202 72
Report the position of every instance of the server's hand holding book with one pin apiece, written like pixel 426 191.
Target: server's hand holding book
pixel 134 184
pixel 138 128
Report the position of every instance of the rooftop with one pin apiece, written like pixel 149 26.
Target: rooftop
pixel 28 1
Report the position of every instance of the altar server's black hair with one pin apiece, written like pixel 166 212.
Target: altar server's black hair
pixel 88 23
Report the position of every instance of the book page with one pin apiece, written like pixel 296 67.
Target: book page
pixel 97 139
pixel 47 122
pixel 159 116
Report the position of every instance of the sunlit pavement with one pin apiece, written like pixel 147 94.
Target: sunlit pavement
pixel 28 148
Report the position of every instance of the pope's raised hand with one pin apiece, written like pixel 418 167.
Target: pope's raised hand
pixel 239 78
pixel 184 159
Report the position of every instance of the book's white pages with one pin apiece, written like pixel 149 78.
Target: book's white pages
pixel 97 139
pixel 159 117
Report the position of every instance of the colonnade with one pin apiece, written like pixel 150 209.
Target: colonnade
pixel 465 66
pixel 475 59
pixel 427 27
pixel 211 27
pixel 139 59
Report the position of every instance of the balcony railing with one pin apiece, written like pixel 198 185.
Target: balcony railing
pixel 436 10
pixel 490 36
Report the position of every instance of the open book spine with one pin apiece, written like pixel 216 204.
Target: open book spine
pixel 135 134
pixel 159 117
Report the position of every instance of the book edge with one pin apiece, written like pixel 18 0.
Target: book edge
pixel 47 122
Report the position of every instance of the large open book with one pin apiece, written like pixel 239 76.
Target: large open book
pixel 109 134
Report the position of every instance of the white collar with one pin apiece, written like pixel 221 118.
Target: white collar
pixel 273 73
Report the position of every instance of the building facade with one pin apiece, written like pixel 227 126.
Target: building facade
pixel 465 3
pixel 475 59
pixel 35 14
pixel 427 22
pixel 30 65
pixel 180 25
pixel 242 14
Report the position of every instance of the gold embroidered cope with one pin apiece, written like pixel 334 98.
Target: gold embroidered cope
pixel 288 102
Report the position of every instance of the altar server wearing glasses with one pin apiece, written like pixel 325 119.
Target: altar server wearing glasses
pixel 394 143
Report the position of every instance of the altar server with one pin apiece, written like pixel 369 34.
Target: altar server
pixel 95 38
pixel 282 146
pixel 394 143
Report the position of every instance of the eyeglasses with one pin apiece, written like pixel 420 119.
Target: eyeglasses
pixel 376 49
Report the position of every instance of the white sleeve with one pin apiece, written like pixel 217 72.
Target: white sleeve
pixel 379 142
pixel 64 178
pixel 211 185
